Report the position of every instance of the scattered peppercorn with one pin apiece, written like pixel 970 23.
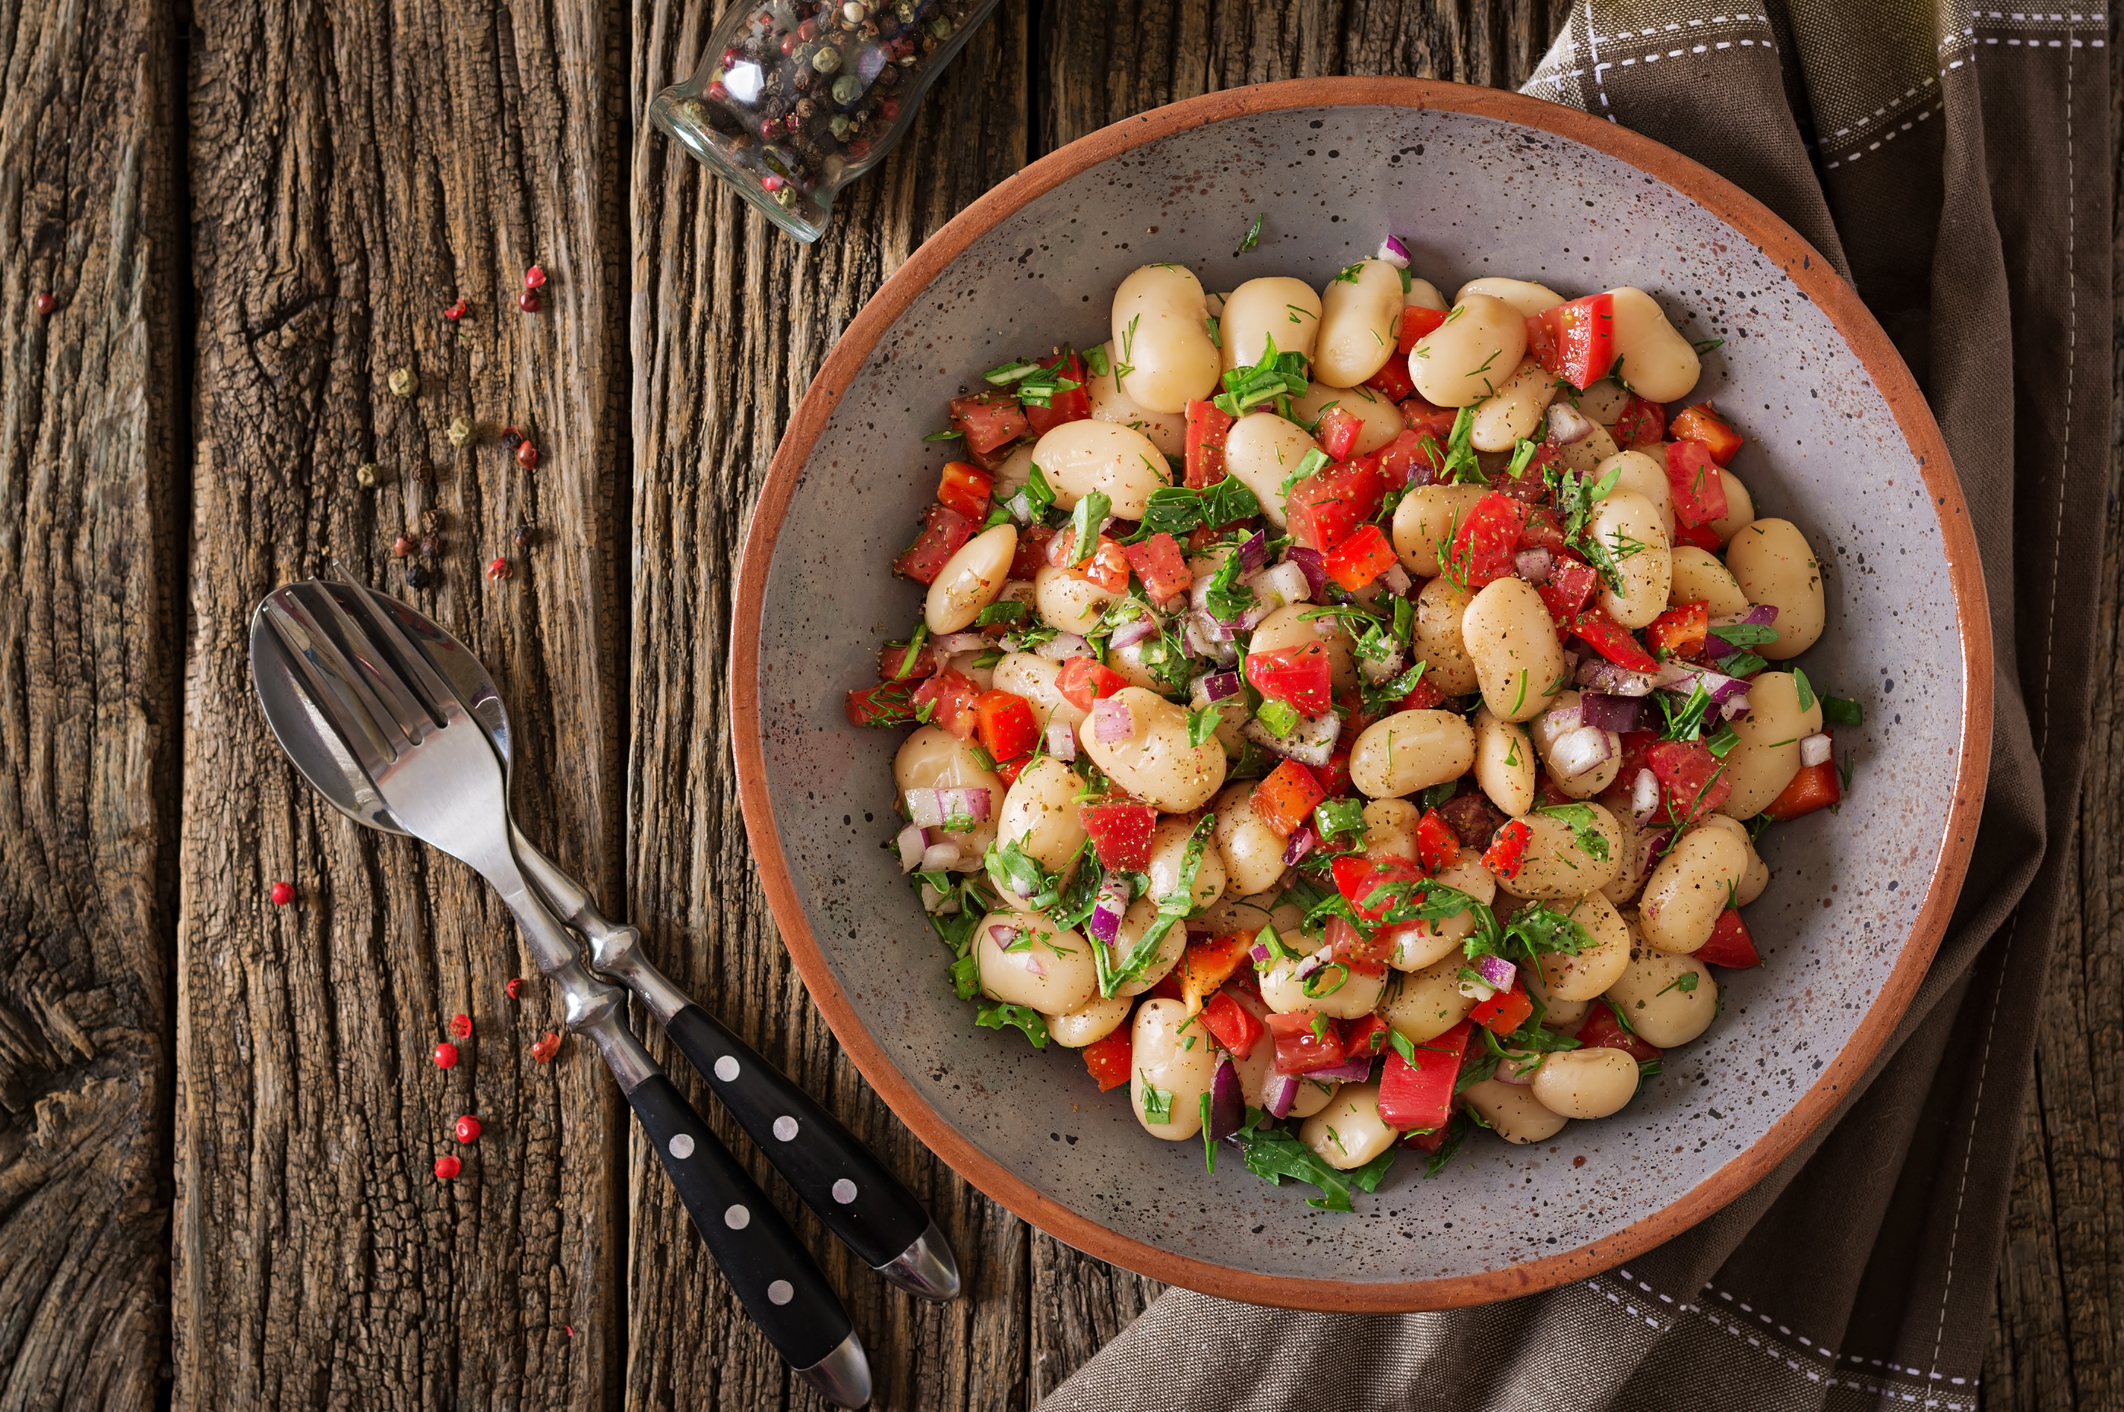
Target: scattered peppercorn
pixel 401 547
pixel 545 1047
pixel 497 569
pixel 447 1168
pixel 446 1055
pixel 527 456
pixel 46 302
pixel 430 545
pixel 516 983
pixel 512 438
pixel 403 382
pixel 528 302
pixel 417 575
pixel 461 432
pixel 455 311
pixel 430 518
pixel 367 474
pixel 283 894
pixel 425 473
pixel 534 277
pixel 461 1026
pixel 521 536
pixel 468 1129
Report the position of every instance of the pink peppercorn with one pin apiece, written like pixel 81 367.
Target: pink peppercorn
pixel 282 894
pixel 468 1129
pixel 446 1055
pixel 448 1167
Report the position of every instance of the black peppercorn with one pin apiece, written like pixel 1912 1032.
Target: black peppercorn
pixel 425 473
pixel 429 543
pixel 417 575
pixel 512 438
pixel 521 536
pixel 429 519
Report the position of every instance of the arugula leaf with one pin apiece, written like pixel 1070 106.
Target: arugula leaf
pixel 1805 689
pixel 1000 612
pixel 996 1015
pixel 1274 1153
pixel 1157 1103
pixel 1456 1133
pixel 1276 375
pixel 1584 830
pixel 1460 465
pixel 1836 711
pixel 1745 634
pixel 1202 725
pixel 1014 871
pixel 1334 817
pixel 1742 664
pixel 1209 1147
pixel 1173 908
pixel 1226 598
pixel 1033 500
pixel 1175 509
pixel 1253 235
pixel 1085 524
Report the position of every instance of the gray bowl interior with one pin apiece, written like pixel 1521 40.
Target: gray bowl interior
pixel 1471 196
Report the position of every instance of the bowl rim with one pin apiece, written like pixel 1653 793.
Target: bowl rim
pixel 1814 276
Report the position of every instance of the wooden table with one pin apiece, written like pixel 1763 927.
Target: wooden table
pixel 220 1115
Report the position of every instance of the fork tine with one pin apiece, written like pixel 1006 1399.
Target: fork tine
pixel 379 672
pixel 325 674
pixel 375 608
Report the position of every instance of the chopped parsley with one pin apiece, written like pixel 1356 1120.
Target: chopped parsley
pixel 1253 235
pixel 1157 1102
pixel 1745 634
pixel 1275 1153
pixel 1805 689
pixel 1276 375
pixel 996 1015
pixel 1836 711
pixel 1085 524
pixel 1585 828
pixel 1175 509
pixel 1202 725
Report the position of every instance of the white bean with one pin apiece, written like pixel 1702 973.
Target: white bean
pixel 1261 450
pixel 1757 875
pixel 1169 852
pixel 1276 307
pixel 1512 414
pixel 1657 362
pixel 1040 813
pixel 1089 455
pixel 1558 865
pixel 1698 576
pixel 1093 1021
pixel 1333 990
pixel 1773 563
pixel 1411 750
pixel 1585 456
pixel 1512 641
pixel 1429 1002
pixel 1523 295
pixel 1421 944
pixel 1428 517
pixel 1380 421
pixel 1661 1005
pixel 1768 754
pixel 1023 674
pixel 1512 1111
pixel 1464 359
pixel 1604 401
pixel 1360 315
pixel 1635 534
pixel 1584 976
pixel 1110 402
pixel 1348 1132
pixel 1504 763
pixel 1289 627
pixel 1586 1083
pixel 1440 609
pixel 1156 764
pixel 1740 507
pixel 970 579
pixel 1174 1055
pixel 1251 851
pixel 1422 294
pixel 1161 327
pixel 1641 475
pixel 1068 601
pixel 1025 959
pixel 933 758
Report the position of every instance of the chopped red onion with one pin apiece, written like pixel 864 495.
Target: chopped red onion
pixel 1567 425
pixel 1112 721
pixel 1061 740
pixel 1644 795
pixel 1354 1071
pixel 1678 676
pixel 1217 686
pixel 1735 707
pixel 1377 670
pixel 1307 965
pixel 1499 972
pixel 1005 936
pixel 1286 583
pixel 1204 636
pixel 1652 844
pixel 942 854
pixel 1610 713
pixel 1509 1072
pixel 1534 564
pixel 1279 1093
pixel 1762 615
pixel 1108 909
pixel 1063 646
pixel 1032 965
pixel 912 841
pixel 1313 564
pixel 1310 742
pixel 1584 749
pixel 1133 631
pixel 953 643
pixel 1562 718
pixel 1227 1111
pixel 1301 844
pixel 1259 952
pixel 970 803
pixel 1396 580
pixel 1816 750
pixel 1255 616
pixel 1394 252
pixel 1209 627
pixel 1600 674
pixel 1253 555
pixel 925 807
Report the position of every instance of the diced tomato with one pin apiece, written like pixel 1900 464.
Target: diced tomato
pixel 1006 724
pixel 1424 696
pixel 1206 426
pixel 1232 1025
pixel 1364 1036
pixel 1167 988
pixel 1112 1060
pixel 1334 776
pixel 1487 540
pixel 1299 676
pixel 951 699
pixel 944 531
pixel 1426 418
pixel 1542 530
pixel 1358 877
pixel 1681 631
pixel 989 420
pixel 1009 770
pixel 1285 799
pixel 1575 341
pixel 1730 944
pixel 1205 965
pixel 1032 551
pixel 1337 432
pixel 1073 405
pixel 1407 460
pixel 1361 557
pixel 891 661
pixel 1417 324
pixel 1363 952
pixel 965 487
pixel 1392 379
pixel 1437 846
pixel 1504 1011
pixel 1107 566
pixel 1692 781
pixel 1612 640
pixel 1602 1030
pixel 1509 850
pixel 1160 564
pixel 889 703
pixel 1419 1097
pixel 1641 423
pixel 1084 680
pixel 1814 787
pixel 1570 587
pixel 1702 536
pixel 1301 1046
pixel 1120 832
pixel 1703 423
pixel 1695 488
pixel 1324 509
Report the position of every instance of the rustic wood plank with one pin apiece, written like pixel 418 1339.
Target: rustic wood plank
pixel 91 546
pixel 731 321
pixel 353 170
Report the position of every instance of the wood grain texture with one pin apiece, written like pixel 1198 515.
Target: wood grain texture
pixel 91 541
pixel 354 169
pixel 731 320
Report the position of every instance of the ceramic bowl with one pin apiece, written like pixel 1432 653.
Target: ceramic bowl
pixel 1477 182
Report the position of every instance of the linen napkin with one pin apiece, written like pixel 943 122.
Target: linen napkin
pixel 1954 164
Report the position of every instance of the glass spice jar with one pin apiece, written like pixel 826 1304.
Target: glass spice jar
pixel 795 99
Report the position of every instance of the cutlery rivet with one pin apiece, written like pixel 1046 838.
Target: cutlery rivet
pixel 283 894
pixel 448 1167
pixel 737 1218
pixel 726 1068
pixel 468 1129
pixel 844 1191
pixel 785 1128
pixel 682 1146
pixel 545 1047
pixel 417 576
pixel 534 277
pixel 461 1026
pixel 403 382
pixel 497 569
pixel 527 455
pixel 780 1292
pixel 401 547
pixel 528 302
pixel 446 1055
pixel 461 431
pixel 516 983
pixel 46 302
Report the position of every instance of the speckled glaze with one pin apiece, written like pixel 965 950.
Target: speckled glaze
pixel 1476 183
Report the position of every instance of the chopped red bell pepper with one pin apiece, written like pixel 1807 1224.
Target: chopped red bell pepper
pixel 1363 952
pixel 989 420
pixel 1232 1025
pixel 1112 1060
pixel 1681 631
pixel 1424 696
pixel 1612 640
pixel 1360 558
pixel 1730 944
pixel 1161 566
pixel 1504 1011
pixel 1695 488
pixel 944 531
pixel 1417 324
pixel 1426 418
pixel 1120 832
pixel 1575 341
pixel 1070 405
pixel 1701 536
pixel 1569 589
pixel 1641 423
pixel 1412 458
pixel 1419 1097
pixel 1084 680
pixel 894 663
pixel 1006 724
pixel 965 488
pixel 1437 846
pixel 1508 850
pixel 1205 965
pixel 1300 676
pixel 1543 530
pixel 1814 787
pixel 1324 509
pixel 1392 380
pixel 1206 427
pixel 1483 550
pixel 1336 432
pixel 1305 1042
pixel 1601 1030
pixel 1358 877
pixel 1286 798
pixel 1692 781
pixel 1032 551
pixel 889 703
pixel 950 698
pixel 1703 423
pixel 1365 1036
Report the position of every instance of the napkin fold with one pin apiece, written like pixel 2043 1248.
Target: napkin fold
pixel 1954 165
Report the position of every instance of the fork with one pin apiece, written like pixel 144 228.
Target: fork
pixel 438 774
